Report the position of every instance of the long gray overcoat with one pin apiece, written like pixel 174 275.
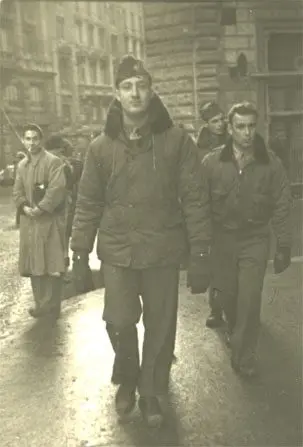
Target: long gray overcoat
pixel 42 239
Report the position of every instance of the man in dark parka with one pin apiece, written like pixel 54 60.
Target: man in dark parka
pixel 248 189
pixel 141 188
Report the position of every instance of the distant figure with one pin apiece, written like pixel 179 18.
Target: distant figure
pixel 40 195
pixel 213 133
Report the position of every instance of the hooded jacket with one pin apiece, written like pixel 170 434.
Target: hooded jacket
pixel 145 197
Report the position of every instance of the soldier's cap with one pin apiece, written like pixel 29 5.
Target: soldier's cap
pixel 210 110
pixel 34 127
pixel 128 67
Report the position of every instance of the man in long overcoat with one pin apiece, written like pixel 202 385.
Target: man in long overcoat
pixel 141 188
pixel 248 190
pixel 40 194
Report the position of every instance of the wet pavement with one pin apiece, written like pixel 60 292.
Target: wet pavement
pixel 55 386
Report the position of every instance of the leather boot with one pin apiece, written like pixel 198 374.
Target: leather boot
pixel 151 411
pixel 125 400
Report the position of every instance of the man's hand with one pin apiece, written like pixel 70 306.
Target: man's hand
pixel 36 212
pixel 81 273
pixel 27 211
pixel 198 274
pixel 282 259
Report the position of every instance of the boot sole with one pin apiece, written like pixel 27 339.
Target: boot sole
pixel 154 422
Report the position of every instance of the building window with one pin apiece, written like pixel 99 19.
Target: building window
pixel 93 71
pixel 130 45
pixel 88 8
pixel 141 28
pixel 6 39
pixel 101 33
pixel 132 21
pixel 30 41
pixel 138 49
pixel 112 14
pixel 64 72
pixel 104 72
pixel 125 44
pixel 90 35
pixel 95 114
pixel 36 96
pixel 284 99
pixel 114 44
pixel 81 71
pixel 28 11
pixel 12 94
pixel 79 31
pixel 60 27
pixel 100 9
pixel 67 113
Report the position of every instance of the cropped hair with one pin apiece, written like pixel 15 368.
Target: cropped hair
pixel 33 127
pixel 242 108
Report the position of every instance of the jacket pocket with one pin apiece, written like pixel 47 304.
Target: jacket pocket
pixel 261 208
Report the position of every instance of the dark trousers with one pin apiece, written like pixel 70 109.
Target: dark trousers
pixel 214 304
pixel 47 291
pixel 241 263
pixel 158 288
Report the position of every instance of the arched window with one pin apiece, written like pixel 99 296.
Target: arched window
pixel 35 95
pixel 12 94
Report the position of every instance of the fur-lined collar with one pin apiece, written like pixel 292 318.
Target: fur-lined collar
pixel 159 118
pixel 260 152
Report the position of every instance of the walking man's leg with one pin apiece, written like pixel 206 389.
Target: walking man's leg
pixel 122 311
pixel 252 265
pixel 215 318
pixel 160 302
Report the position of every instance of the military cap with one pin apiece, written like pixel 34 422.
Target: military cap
pixel 128 67
pixel 209 110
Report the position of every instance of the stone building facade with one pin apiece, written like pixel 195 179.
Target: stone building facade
pixel 57 61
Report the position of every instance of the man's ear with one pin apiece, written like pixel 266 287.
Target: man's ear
pixel 229 128
pixel 117 95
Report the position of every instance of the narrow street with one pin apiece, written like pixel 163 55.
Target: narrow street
pixel 55 386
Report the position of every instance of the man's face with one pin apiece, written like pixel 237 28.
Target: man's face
pixel 134 94
pixel 243 130
pixel 216 124
pixel 32 141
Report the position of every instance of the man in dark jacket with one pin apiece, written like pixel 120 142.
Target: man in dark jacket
pixel 141 188
pixel 248 189
pixel 213 133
